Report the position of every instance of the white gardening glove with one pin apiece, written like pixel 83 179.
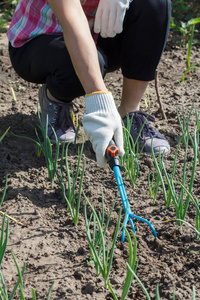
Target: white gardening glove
pixel 110 16
pixel 102 123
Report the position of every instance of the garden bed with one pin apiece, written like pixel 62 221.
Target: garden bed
pixel 49 243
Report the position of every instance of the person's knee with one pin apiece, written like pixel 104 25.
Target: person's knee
pixel 152 8
pixel 152 3
pixel 151 14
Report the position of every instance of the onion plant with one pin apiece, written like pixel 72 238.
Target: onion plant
pixel 3 245
pixel 180 203
pixel 1 137
pixel 184 124
pixel 196 204
pixel 198 132
pixel 1 201
pixel 102 252
pixel 187 71
pixel 73 205
pixel 13 93
pixel 4 295
pixel 157 293
pixel 154 186
pixel 130 159
pixel 4 192
pixel 20 274
pixel 46 147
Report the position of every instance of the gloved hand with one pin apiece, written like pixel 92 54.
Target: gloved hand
pixel 110 16
pixel 101 123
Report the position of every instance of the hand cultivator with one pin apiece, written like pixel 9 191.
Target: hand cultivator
pixel 114 163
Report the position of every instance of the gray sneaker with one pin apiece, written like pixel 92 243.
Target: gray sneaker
pixel 59 116
pixel 148 133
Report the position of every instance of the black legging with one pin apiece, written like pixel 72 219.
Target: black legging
pixel 137 51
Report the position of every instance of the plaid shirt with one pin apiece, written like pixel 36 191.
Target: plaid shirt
pixel 35 17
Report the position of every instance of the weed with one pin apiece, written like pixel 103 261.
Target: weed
pixel 187 30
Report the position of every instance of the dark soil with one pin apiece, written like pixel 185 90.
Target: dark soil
pixel 56 250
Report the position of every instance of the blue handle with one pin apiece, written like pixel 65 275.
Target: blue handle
pixel 114 162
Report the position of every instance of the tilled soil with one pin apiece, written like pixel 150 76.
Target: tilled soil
pixel 52 248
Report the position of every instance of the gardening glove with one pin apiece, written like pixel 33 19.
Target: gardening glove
pixel 110 16
pixel 102 123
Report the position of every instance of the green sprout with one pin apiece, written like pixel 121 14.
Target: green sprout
pixel 130 159
pixel 13 93
pixel 3 135
pixel 102 254
pixel 73 206
pixel 3 245
pixel 180 202
pixel 187 30
pixel 153 187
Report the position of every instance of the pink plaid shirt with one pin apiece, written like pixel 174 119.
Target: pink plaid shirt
pixel 35 17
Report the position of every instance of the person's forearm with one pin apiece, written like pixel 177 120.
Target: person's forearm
pixel 84 56
pixel 79 43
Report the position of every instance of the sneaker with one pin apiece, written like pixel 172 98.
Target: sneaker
pixel 59 116
pixel 147 134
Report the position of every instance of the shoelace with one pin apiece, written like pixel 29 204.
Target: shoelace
pixel 64 118
pixel 140 118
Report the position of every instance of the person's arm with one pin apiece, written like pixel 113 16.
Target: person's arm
pixel 79 43
pixel 101 121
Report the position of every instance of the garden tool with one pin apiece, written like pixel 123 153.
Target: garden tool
pixel 114 163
